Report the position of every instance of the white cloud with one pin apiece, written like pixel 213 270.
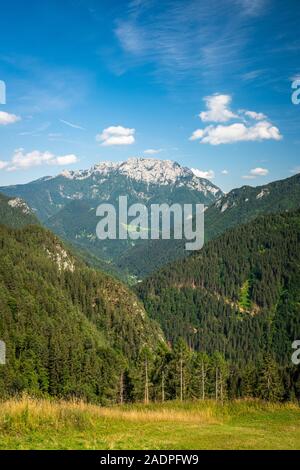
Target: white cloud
pixel 3 164
pixel 218 109
pixel 197 134
pixel 248 177
pixel 225 172
pixel 252 75
pixel 295 170
pixel 259 171
pixel 7 118
pixel 53 135
pixel 36 132
pixel 256 172
pixel 23 161
pixel 237 132
pixel 209 174
pixel 116 135
pixel 70 124
pixel 65 160
pixel 152 151
pixel 252 7
pixel 255 115
pixel 164 38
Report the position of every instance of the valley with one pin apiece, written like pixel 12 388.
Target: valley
pixel 149 231
pixel 67 204
pixel 218 323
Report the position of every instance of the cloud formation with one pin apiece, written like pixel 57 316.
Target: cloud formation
pixel 3 164
pixel 209 174
pixel 23 161
pixel 189 38
pixel 70 124
pixel 237 132
pixel 217 109
pixel 256 172
pixel 259 172
pixel 257 129
pixel 152 151
pixel 295 170
pixel 7 118
pixel 116 135
pixel 255 115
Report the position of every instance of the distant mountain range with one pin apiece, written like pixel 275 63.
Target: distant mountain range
pixel 237 207
pixel 74 331
pixel 67 203
pixel 142 180
pixel 241 205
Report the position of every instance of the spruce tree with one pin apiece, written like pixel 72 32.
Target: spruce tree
pixel 269 380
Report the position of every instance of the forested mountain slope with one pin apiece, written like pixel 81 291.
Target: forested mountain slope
pixel 15 213
pixel 69 330
pixel 238 207
pixel 239 295
pixel 67 203
pixel 141 179
pixel 243 204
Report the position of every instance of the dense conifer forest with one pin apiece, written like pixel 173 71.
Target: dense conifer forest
pixel 228 314
pixel 69 330
pixel 239 297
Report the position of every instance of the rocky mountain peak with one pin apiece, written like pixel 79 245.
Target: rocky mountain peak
pixel 150 171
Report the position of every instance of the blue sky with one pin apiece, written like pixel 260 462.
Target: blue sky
pixel 205 83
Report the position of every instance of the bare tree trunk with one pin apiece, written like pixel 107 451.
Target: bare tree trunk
pixel 181 380
pixel 221 387
pixel 121 388
pixel 163 387
pixel 203 384
pixel 146 400
pixel 217 384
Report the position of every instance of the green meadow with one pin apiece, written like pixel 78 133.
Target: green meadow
pixel 245 424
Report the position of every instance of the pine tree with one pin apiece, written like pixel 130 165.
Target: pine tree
pixel 248 381
pixel 221 371
pixel 199 373
pixel 181 366
pixel 160 376
pixel 269 380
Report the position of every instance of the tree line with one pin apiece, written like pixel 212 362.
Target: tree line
pixel 180 373
pixel 240 296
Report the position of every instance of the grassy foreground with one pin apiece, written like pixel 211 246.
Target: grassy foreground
pixel 42 424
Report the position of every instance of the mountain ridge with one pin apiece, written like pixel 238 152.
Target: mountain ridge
pixel 69 330
pixel 239 294
pixel 148 170
pixel 140 177
pixel 15 213
pixel 240 205
pixel 67 203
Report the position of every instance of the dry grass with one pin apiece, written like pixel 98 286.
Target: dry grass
pixel 33 413
pixel 205 416
pixel 30 423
